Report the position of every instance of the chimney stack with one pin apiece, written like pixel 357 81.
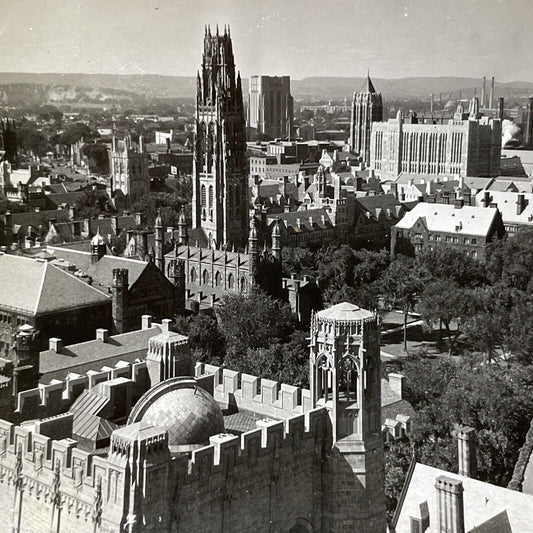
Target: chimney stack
pixel 491 92
pixel 520 204
pixel 466 448
pixel 483 97
pixel 54 344
pixel 397 384
pixel 450 505
pixel 500 107
pixel 486 199
pixel 102 335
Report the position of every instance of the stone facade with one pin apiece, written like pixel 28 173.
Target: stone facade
pixel 313 462
pixel 468 145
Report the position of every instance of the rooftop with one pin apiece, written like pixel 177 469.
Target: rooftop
pixel 45 288
pixel 345 312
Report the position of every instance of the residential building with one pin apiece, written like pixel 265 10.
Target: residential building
pixel 466 228
pixel 516 208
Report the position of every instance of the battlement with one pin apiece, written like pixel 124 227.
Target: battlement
pixel 251 393
pixel 58 396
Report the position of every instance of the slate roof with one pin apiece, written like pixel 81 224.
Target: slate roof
pixel 91 355
pixel 345 312
pixel 290 219
pixel 506 204
pixel 92 427
pixel 376 205
pixel 102 271
pixel 486 506
pixel 45 289
pixel 447 218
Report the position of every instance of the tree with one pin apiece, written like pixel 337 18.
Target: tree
pixel 443 302
pixel 447 263
pixel 253 321
pixel 77 131
pixel 400 285
pixel 298 261
pixel 169 203
pixel 206 341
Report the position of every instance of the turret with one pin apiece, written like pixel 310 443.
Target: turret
pixel 120 288
pixel 98 247
pixel 253 251
pixel 26 359
pixel 276 239
pixel 182 229
pixel 176 274
pixel 159 242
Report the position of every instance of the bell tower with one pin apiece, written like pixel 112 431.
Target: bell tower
pixel 220 189
pixel 367 107
pixel 345 379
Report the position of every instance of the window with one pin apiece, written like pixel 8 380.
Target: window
pixel 192 276
pixel 231 281
pixel 203 195
pixel 205 277
pixel 474 241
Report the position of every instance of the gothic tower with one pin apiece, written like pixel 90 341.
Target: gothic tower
pixel 119 290
pixel 220 189
pixel 367 107
pixel 345 379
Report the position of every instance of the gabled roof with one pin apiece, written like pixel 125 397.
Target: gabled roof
pixel 447 218
pixel 484 504
pixel 102 270
pixel 506 202
pixel 377 204
pixel 305 216
pixel 35 286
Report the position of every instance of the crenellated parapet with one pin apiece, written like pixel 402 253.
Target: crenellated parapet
pixel 251 393
pixel 57 396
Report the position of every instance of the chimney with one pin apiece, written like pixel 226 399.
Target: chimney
pixel 483 98
pixel 54 344
pixel 102 334
pixel 520 204
pixel 466 197
pixel 445 198
pixel 450 507
pixel 491 97
pixel 146 321
pixel 397 384
pixel 165 325
pixel 486 199
pixel 458 203
pixel 466 448
pixel 500 107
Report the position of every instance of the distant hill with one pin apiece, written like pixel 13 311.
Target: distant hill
pixel 114 87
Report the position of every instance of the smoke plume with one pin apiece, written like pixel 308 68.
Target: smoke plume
pixel 509 130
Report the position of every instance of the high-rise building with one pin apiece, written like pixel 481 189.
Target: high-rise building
pixel 367 107
pixel 468 145
pixel 220 186
pixel 128 164
pixel 270 106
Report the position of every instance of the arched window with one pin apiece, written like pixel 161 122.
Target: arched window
pixel 203 195
pixel 348 380
pixel 205 277
pixel 210 202
pixel 243 284
pixel 192 276
pixel 218 279
pixel 231 281
pixel 324 378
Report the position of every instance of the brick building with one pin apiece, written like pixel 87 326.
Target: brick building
pixel 194 454
pixel 466 228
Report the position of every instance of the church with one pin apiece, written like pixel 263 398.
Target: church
pixel 223 250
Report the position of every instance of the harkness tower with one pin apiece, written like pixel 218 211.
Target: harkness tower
pixel 220 199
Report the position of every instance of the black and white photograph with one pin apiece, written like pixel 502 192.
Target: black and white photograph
pixel 266 266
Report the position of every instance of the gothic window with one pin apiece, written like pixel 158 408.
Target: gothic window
pixel 203 195
pixel 205 277
pixel 348 379
pixel 237 199
pixel 218 279
pixel 210 148
pixel 231 281
pixel 192 277
pixel 324 375
pixel 210 202
pixel 243 284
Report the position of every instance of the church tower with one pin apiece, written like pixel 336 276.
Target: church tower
pixel 220 189
pixel 367 107
pixel 345 379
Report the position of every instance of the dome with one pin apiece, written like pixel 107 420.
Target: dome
pixel 188 412
pixel 345 312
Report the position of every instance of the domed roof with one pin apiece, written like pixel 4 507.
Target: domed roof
pixel 345 312
pixel 188 412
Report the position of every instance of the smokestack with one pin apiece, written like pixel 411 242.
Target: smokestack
pixel 431 103
pixel 483 93
pixel 500 107
pixel 491 92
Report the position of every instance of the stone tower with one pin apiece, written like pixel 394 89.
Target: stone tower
pixel 367 107
pixel 345 379
pixel 98 247
pixel 120 289
pixel 8 135
pixel 159 242
pixel 220 189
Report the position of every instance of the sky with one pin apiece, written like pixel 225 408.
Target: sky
pixel 299 38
